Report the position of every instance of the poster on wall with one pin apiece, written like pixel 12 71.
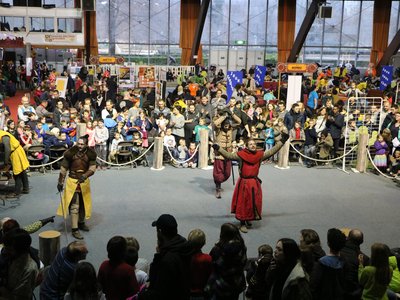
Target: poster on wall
pixel 146 77
pixel 124 73
pixel 61 85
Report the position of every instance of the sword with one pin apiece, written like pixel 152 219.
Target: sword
pixel 65 221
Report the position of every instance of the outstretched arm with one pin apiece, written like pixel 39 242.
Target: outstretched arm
pixel 273 150
pixel 226 154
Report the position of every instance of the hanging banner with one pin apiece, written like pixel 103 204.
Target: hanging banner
pixel 146 77
pixel 386 77
pixel 61 85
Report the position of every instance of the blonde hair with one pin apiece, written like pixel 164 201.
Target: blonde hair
pixel 198 238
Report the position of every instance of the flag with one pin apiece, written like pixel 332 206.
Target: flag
pixel 233 78
pixel 386 77
pixel 259 74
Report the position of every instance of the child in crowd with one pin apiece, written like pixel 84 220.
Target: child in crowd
pixel 114 146
pixel 380 159
pixel 39 129
pixel 90 132
pixel 69 129
pixel 38 140
pixel 257 289
pixel 253 132
pixel 241 144
pixel 45 126
pixel 352 132
pixel 100 138
pixel 162 123
pixel 170 143
pixel 395 163
pixel 269 135
pixel 64 140
pixel 26 137
pixel 197 128
pixel 192 163
pixel 182 153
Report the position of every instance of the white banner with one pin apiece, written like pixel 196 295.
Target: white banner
pixel 294 90
pixel 29 66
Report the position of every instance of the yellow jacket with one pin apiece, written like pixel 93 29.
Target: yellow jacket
pixel 18 158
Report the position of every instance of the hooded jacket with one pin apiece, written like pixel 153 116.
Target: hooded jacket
pixel 169 271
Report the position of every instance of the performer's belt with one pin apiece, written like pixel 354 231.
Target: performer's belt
pixel 251 177
pixel 76 174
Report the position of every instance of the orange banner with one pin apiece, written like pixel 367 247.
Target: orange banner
pixel 107 60
pixel 297 68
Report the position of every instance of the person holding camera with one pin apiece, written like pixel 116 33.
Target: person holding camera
pixel 224 138
pixel 247 197
pixel 26 112
pixel 80 161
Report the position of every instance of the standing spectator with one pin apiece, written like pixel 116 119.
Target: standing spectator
pixel 327 279
pixel 61 272
pixel 23 270
pixel 169 271
pixel 229 257
pixel 84 284
pixel 101 136
pixel 312 102
pixel 200 265
pixel 286 278
pixel 375 278
pixel 310 247
pixel 350 253
pixel 116 277
pixel 335 124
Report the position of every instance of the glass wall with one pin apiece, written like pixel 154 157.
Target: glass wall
pixel 147 31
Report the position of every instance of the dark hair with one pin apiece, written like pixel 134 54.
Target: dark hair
pixel 10 225
pixel 380 260
pixel 116 249
pixel 84 284
pixel 228 233
pixel 19 240
pixel 336 239
pixel 85 138
pixel 290 250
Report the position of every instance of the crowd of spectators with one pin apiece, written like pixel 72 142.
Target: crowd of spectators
pixel 317 125
pixel 298 270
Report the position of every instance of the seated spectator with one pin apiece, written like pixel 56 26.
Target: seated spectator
pixel 169 271
pixel 26 112
pixel 200 265
pixel 114 146
pixel 257 289
pixel 227 280
pixel 84 284
pixel 191 153
pixel 22 270
pixel 286 278
pixel 26 137
pixel 60 273
pixel 375 279
pixel 395 163
pixel 325 145
pixel 310 247
pixel 327 278
pixel 116 277
pixel 169 142
pixel 41 109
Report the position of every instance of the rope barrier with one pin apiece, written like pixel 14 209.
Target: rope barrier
pixel 324 160
pixel 129 162
pixel 48 164
pixel 183 161
pixel 376 168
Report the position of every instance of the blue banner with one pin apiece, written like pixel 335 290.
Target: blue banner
pixel 233 78
pixel 386 77
pixel 259 74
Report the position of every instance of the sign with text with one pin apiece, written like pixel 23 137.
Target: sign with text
pixel 59 38
pixel 146 77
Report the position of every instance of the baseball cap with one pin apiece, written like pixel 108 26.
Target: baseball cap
pixel 166 223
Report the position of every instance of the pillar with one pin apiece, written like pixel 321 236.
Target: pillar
pixel 283 156
pixel 380 29
pixel 158 154
pixel 286 28
pixel 362 157
pixel 49 245
pixel 190 10
pixel 203 149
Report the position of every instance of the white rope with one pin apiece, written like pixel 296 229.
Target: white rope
pixel 48 164
pixel 323 160
pixel 376 168
pixel 129 162
pixel 183 161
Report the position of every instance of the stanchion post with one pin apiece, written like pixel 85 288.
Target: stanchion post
pixel 283 156
pixel 203 149
pixel 49 245
pixel 80 129
pixel 362 157
pixel 158 154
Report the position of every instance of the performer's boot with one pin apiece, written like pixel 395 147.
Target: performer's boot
pixel 218 193
pixel 248 224
pixel 243 227
pixel 76 234
pixel 74 224
pixel 82 226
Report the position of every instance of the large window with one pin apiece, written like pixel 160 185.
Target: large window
pixel 147 31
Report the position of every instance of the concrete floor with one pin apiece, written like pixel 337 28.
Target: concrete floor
pixel 126 201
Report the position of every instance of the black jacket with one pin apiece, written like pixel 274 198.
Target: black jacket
pixel 169 272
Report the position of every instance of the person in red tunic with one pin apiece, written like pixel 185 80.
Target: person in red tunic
pixel 247 197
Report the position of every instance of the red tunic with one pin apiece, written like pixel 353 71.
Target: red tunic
pixel 247 197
